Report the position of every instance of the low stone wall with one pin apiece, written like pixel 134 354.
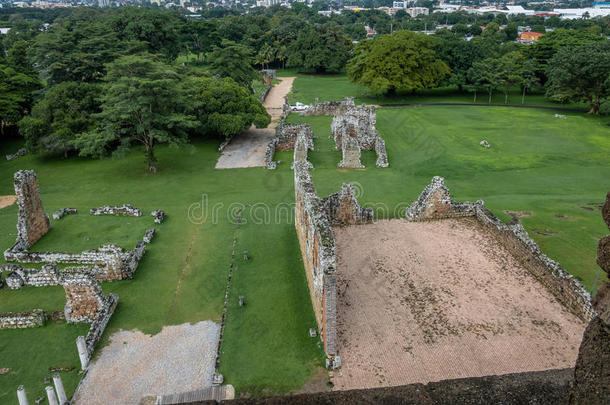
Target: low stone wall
pixel 435 203
pixel 18 154
pixel 124 209
pixel 100 321
pixel 159 216
pixel 329 107
pixel 59 214
pixel 110 262
pixel 264 94
pixel 18 320
pixel 314 218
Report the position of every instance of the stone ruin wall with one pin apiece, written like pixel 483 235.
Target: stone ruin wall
pixel 354 131
pixel 32 222
pixel 286 139
pixel 329 107
pixel 314 218
pixel 435 203
pixel 18 320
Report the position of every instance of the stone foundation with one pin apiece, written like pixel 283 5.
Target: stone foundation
pixel 435 203
pixel 84 297
pixel 124 209
pixel 313 220
pixel 59 214
pixel 18 320
pixel 32 222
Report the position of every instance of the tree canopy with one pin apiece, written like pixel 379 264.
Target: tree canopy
pixel 401 61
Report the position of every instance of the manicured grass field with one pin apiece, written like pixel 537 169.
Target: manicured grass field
pixel 558 170
pixel 307 87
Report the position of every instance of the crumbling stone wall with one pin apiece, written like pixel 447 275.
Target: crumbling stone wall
pixel 358 123
pixel 286 139
pixel 314 218
pixel 435 203
pixel 110 262
pixel 329 107
pixel 18 320
pixel 100 321
pixel 32 222
pixel 124 209
pixel 342 208
pixel 59 214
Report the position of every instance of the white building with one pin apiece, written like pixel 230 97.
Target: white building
pixel 573 13
pixel 415 11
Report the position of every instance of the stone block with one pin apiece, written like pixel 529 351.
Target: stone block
pixel 32 222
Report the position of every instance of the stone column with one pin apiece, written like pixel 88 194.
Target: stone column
pixel 21 396
pixel 51 395
pixel 83 354
pixel 59 387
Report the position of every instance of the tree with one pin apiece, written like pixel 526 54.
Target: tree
pixel 223 107
pixel 56 120
pixel 144 102
pixel 509 72
pixel 528 77
pixel 581 73
pixel 486 74
pixel 403 60
pixel 324 48
pixel 234 61
pixel 15 95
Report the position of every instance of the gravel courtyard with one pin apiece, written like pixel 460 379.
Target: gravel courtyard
pixel 134 365
pixel 427 301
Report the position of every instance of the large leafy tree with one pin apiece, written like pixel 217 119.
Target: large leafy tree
pixel 403 60
pixel 580 74
pixel 15 95
pixel 56 120
pixel 323 48
pixel 145 103
pixel 234 61
pixel 222 107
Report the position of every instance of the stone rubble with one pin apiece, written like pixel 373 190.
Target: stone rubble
pixel 159 216
pixel 21 152
pixel 124 209
pixel 59 214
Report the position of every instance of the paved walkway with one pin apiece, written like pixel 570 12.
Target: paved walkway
pixel 248 148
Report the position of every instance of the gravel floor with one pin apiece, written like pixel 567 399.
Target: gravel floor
pixel 6 200
pixel 134 365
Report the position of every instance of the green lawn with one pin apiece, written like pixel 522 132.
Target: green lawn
pixel 308 87
pixel 537 163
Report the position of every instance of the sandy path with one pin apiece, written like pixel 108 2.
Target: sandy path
pixel 248 148
pixel 7 200
pixel 420 302
pixel 134 365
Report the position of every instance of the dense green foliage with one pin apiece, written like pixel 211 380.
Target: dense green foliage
pixel 400 61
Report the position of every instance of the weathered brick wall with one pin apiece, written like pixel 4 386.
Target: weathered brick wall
pixel 350 149
pixel 18 320
pixel 342 208
pixel 32 222
pixel 435 203
pixel 286 139
pixel 100 322
pixel 84 297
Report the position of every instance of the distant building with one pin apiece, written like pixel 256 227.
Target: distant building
pixel 529 37
pixel 415 11
pixel 370 32
pixel 103 3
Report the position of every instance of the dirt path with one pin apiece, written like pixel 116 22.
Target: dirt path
pixel 7 200
pixel 248 148
pixel 421 302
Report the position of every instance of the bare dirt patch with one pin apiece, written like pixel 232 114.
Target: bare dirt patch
pixel 135 365
pixel 7 200
pixel 427 301
pixel 248 148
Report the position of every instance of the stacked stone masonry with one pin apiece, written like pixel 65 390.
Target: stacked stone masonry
pixel 18 320
pixel 124 209
pixel 330 107
pixel 18 154
pixel 354 131
pixel 435 203
pixel 32 222
pixel 59 214
pixel 159 216
pixel 314 218
pixel 287 138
